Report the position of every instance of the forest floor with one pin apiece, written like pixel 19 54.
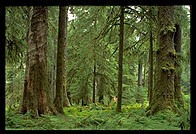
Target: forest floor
pixel 99 117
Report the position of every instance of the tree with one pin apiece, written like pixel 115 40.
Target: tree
pixel 120 63
pixel 94 66
pixel 100 88
pixel 66 101
pixel 60 61
pixel 150 73
pixel 163 94
pixel 177 78
pixel 139 73
pixel 36 98
pixel 139 81
pixel 53 14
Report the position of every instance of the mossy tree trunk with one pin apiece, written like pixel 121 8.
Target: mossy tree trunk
pixel 120 62
pixel 177 78
pixel 60 61
pixel 36 95
pixel 163 94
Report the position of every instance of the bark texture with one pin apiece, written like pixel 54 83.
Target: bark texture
pixel 163 94
pixel 36 97
pixel 60 61
pixel 177 78
pixel 66 101
pixel 120 62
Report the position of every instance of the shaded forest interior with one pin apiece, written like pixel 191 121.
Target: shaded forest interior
pixel 98 67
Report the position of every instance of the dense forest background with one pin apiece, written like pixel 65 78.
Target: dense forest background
pixel 98 67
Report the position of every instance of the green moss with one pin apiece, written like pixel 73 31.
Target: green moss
pixel 166 29
pixel 168 67
pixel 164 68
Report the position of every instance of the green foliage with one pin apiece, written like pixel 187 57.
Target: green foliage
pixel 14 86
pixel 17 20
pixel 99 117
pixel 26 122
pixel 130 95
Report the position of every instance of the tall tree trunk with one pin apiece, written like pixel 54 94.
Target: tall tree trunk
pixel 66 102
pixel 163 94
pixel 150 73
pixel 177 77
pixel 120 62
pixel 94 71
pixel 60 61
pixel 36 95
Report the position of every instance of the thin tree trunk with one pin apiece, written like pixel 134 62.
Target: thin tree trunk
pixel 139 81
pixel 139 74
pixel 144 79
pixel 94 74
pixel 94 71
pixel 163 94
pixel 60 61
pixel 120 62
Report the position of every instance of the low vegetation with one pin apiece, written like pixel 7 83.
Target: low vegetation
pixel 100 117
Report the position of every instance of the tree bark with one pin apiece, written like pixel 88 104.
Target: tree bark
pixel 66 102
pixel 163 94
pixel 36 95
pixel 120 62
pixel 60 61
pixel 177 78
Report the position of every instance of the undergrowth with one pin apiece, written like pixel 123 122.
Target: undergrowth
pixel 99 117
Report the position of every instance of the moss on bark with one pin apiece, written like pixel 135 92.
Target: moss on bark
pixel 163 94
